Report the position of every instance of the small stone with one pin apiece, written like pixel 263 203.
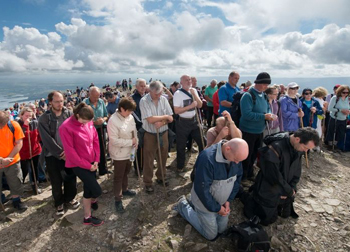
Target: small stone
pixel 280 227
pixel 328 209
pixel 336 219
pixel 105 191
pixel 98 248
pixel 188 230
pixel 313 224
pixel 144 232
pixel 174 245
pixel 317 208
pixel 189 244
pixel 199 246
pixel 18 244
pixel 333 202
pixel 347 228
pixel 293 248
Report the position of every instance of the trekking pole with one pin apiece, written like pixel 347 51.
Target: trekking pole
pixel 137 164
pixel 104 150
pixel 200 129
pixel 138 172
pixel 268 128
pixel 160 160
pixel 31 161
pixel 334 132
pixel 302 125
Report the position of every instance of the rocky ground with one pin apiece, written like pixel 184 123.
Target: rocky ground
pixel 149 224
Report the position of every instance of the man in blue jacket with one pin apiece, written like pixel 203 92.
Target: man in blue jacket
pixel 217 179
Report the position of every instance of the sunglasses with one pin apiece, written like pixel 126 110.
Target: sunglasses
pixel 307 93
pixel 294 88
pixel 345 92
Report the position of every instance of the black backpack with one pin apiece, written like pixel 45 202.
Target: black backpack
pixel 235 110
pixel 251 236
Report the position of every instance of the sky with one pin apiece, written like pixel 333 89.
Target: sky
pixel 287 38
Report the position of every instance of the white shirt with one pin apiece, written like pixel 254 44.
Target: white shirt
pixel 182 100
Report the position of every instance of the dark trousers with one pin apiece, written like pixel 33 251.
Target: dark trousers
pixel 121 171
pixel 26 166
pixel 102 165
pixel 92 188
pixel 210 113
pixel 184 129
pixel 60 175
pixel 339 128
pixel 254 142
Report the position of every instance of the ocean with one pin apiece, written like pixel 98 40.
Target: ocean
pixel 30 88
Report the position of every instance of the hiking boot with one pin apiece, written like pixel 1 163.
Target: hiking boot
pixel 74 204
pixel 149 189
pixel 130 193
pixel 119 207
pixel 93 221
pixel 19 205
pixel 94 205
pixel 60 210
pixel 160 182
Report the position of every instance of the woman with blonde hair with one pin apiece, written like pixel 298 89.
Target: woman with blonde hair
pixel 319 94
pixel 31 148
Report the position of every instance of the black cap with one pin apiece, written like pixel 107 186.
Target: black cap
pixel 263 78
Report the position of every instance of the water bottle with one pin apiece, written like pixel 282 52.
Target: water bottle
pixel 132 154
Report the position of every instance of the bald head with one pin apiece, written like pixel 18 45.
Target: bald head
pixel 236 150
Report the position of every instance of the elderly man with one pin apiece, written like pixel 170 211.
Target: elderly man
pixel 227 91
pixel 137 96
pixel 280 170
pixel 156 114
pixel 217 182
pixel 113 101
pixel 208 95
pixel 100 117
pixel 11 139
pixel 186 100
pixel 54 154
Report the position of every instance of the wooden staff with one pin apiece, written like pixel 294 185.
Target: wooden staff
pixel 160 160
pixel 302 125
pixel 200 129
pixel 31 161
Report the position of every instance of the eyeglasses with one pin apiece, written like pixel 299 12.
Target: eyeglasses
pixel 307 93
pixel 294 88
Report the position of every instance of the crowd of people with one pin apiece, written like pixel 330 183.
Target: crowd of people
pixel 253 134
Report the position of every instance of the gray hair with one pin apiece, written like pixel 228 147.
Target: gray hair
pixel 139 80
pixel 94 88
pixel 156 86
pixel 215 81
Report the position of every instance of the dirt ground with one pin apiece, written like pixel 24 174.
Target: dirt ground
pixel 150 224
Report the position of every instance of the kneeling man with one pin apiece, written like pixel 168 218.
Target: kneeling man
pixel 217 179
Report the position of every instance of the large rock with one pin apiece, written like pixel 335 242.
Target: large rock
pixel 333 202
pixel 199 246
pixel 278 244
pixel 317 208
pixel 174 244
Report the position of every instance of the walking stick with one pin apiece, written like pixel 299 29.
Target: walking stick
pixel 268 128
pixel 302 125
pixel 200 129
pixel 160 160
pixel 31 161
pixel 104 150
pixel 137 164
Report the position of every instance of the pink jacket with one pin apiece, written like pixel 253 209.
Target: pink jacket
pixel 80 143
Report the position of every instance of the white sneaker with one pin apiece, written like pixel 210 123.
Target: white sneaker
pixel 74 204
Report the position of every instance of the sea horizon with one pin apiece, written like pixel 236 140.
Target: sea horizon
pixel 30 89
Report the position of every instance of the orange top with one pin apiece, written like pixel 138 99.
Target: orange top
pixel 6 141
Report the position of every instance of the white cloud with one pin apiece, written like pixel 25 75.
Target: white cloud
pixel 130 39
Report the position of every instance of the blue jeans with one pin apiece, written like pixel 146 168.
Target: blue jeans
pixel 208 224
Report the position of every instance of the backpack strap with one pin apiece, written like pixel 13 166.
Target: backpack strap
pixel 335 104
pixel 12 129
pixel 273 149
pixel 186 92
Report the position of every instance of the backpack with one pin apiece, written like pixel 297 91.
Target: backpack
pixel 235 109
pixel 251 236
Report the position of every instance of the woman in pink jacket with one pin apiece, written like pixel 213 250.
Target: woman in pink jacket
pixel 81 145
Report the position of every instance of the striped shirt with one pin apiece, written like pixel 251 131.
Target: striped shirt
pixel 148 109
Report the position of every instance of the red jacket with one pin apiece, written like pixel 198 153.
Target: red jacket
pixel 34 140
pixel 216 102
